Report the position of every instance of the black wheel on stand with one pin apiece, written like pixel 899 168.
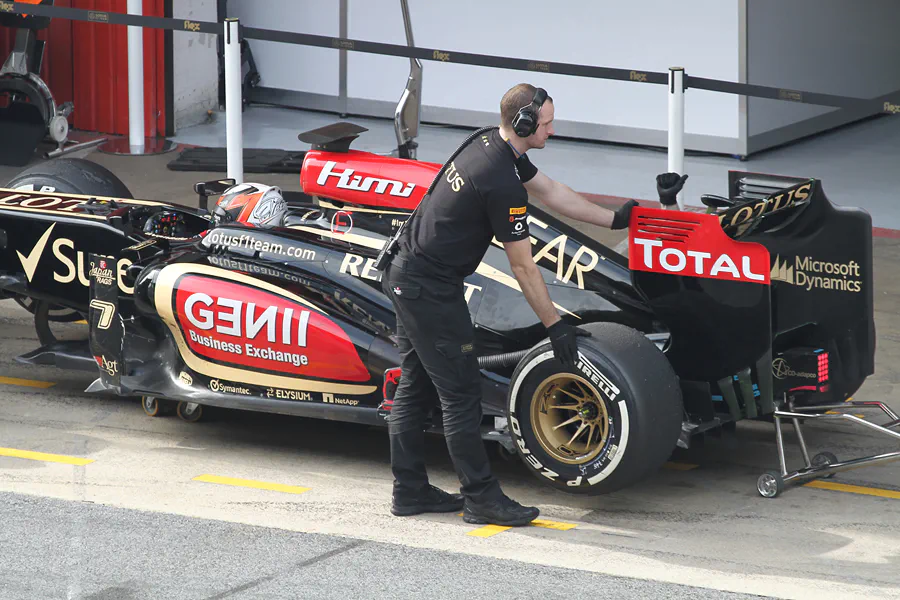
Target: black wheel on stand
pixel 70 176
pixel 56 313
pixel 43 317
pixel 823 459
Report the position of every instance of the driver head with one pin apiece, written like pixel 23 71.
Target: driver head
pixel 251 204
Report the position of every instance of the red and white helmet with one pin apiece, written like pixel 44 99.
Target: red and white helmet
pixel 251 204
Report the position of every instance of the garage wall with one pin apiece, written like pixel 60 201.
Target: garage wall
pixel 648 35
pixel 828 46
pixel 288 66
pixel 195 65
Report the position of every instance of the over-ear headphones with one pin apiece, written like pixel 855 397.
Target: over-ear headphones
pixel 526 120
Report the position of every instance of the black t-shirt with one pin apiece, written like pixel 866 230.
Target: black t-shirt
pixel 479 196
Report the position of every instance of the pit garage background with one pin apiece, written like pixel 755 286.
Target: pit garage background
pixel 827 46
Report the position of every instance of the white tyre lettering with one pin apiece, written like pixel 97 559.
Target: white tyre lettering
pixel 534 462
pixel 514 422
pixel 549 474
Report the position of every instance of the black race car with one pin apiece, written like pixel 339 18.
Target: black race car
pixel 709 318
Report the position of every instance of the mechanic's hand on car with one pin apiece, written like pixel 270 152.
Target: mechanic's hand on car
pixel 668 185
pixel 622 216
pixel 563 338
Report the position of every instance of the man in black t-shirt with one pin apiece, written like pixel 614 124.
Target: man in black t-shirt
pixel 483 193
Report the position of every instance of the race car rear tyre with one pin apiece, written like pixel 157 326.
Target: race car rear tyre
pixel 70 176
pixel 602 425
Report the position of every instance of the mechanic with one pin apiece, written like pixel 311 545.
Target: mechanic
pixel 482 193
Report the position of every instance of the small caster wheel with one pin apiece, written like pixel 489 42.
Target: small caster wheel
pixel 152 406
pixel 823 459
pixel 189 411
pixel 770 484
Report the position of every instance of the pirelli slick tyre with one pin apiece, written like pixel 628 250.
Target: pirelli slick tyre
pixel 70 176
pixel 603 425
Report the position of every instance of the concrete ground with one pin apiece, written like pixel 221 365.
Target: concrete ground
pixel 136 523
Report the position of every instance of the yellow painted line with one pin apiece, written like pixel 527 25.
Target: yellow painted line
pixel 854 489
pixel 488 531
pixel 26 382
pixel 250 483
pixel 56 458
pixel 676 466
pixel 834 412
pixel 553 525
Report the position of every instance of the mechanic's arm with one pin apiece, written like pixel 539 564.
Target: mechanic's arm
pixel 570 203
pixel 563 337
pixel 529 277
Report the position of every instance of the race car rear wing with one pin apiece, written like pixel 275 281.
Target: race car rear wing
pixel 743 186
pixel 713 294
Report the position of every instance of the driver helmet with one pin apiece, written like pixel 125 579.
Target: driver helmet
pixel 251 204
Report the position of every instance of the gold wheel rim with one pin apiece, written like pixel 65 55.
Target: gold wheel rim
pixel 571 421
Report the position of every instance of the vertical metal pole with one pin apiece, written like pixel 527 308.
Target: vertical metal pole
pixel 137 144
pixel 343 32
pixel 136 80
pixel 233 103
pixel 676 125
pixel 779 442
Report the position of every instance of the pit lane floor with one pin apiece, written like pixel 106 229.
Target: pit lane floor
pixel 700 526
pixel 136 522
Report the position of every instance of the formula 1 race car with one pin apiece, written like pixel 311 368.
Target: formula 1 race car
pixel 765 301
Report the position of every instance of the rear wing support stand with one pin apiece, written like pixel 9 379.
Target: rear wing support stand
pixel 825 464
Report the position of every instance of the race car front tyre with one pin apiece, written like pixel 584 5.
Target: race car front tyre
pixel 605 423
pixel 70 176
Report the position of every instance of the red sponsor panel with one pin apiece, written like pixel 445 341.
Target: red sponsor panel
pixel 366 179
pixel 246 327
pixel 692 245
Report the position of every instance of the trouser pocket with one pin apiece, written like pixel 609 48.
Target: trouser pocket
pixel 460 355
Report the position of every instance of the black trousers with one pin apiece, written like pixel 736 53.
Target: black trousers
pixel 436 340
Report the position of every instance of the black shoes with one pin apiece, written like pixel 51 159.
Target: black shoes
pixel 432 499
pixel 504 511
